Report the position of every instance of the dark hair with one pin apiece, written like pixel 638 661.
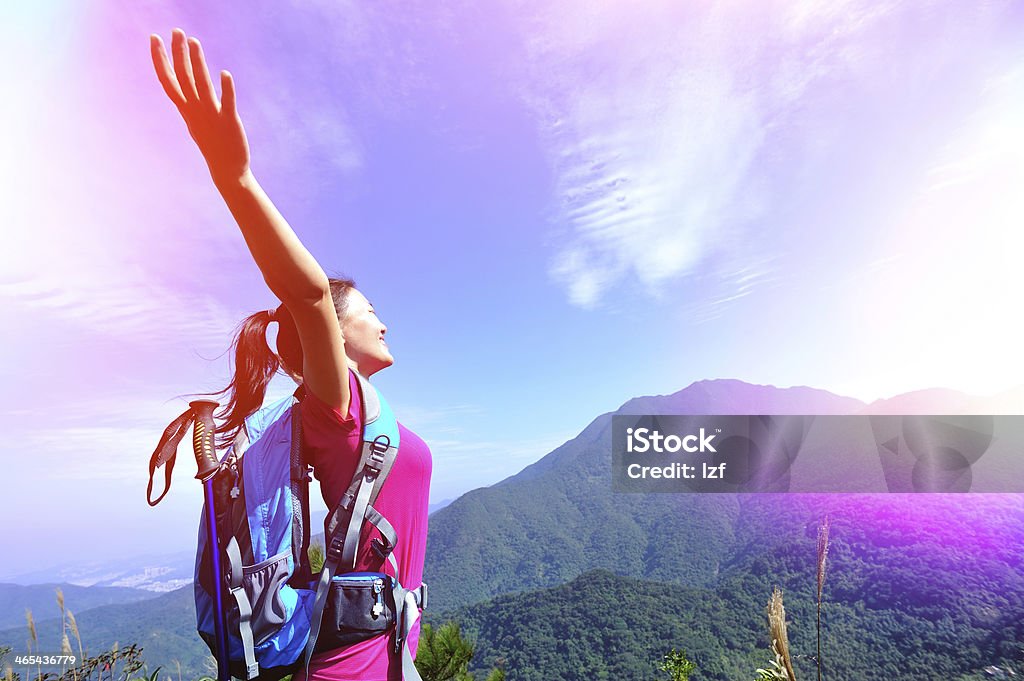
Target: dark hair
pixel 255 363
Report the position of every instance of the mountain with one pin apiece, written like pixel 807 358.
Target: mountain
pixel 605 626
pixel 439 505
pixel 164 626
pixel 917 587
pixel 157 573
pixel 41 599
pixel 551 568
pixel 559 517
pixel 920 586
pixel 598 626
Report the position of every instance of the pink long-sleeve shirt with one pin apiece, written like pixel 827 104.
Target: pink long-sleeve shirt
pixel 331 443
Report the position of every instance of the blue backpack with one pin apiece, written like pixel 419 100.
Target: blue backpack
pixel 259 607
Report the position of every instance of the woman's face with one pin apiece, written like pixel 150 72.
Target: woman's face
pixel 364 336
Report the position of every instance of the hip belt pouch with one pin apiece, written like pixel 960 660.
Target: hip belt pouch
pixel 360 605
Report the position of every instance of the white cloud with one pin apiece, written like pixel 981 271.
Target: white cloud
pixel 653 119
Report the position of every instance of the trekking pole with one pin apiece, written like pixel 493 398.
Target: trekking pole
pixel 206 458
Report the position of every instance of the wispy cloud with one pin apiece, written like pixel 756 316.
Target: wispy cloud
pixel 95 226
pixel 462 464
pixel 990 146
pixel 443 419
pixel 465 458
pixel 654 119
pixel 97 453
pixel 118 242
pixel 104 439
pixel 123 306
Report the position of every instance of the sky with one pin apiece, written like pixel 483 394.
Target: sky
pixel 554 207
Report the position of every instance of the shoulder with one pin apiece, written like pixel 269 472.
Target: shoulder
pixel 315 410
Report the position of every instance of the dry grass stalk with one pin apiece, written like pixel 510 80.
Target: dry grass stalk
pixel 31 626
pixel 63 624
pixel 822 556
pixel 777 631
pixel 73 625
pixel 822 553
pixel 33 638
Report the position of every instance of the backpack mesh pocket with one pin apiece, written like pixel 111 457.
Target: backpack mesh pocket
pixel 263 583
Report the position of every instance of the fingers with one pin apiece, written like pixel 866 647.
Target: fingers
pixel 163 71
pixel 204 86
pixel 189 82
pixel 227 93
pixel 183 66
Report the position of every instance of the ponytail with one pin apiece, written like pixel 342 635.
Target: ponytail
pixel 255 363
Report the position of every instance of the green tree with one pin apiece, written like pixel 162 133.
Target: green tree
pixel 678 666
pixel 444 655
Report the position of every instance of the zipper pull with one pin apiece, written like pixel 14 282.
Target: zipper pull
pixel 378 607
pixel 234 474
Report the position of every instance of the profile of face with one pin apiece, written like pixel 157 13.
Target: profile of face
pixel 364 335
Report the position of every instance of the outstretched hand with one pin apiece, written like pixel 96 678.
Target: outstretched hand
pixel 213 123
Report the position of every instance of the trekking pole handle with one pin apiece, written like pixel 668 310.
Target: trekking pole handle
pixel 202 438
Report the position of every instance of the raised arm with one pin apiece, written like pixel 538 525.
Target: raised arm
pixel 289 269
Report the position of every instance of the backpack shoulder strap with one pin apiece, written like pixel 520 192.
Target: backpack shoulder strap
pixel 299 488
pixel 380 438
pixel 377 453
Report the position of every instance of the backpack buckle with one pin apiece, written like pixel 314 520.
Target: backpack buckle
pixel 381 548
pixel 334 550
pixel 423 596
pixel 377 449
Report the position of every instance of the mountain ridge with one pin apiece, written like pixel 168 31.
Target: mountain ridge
pixel 558 519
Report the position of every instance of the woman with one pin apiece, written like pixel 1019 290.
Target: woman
pixel 327 330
